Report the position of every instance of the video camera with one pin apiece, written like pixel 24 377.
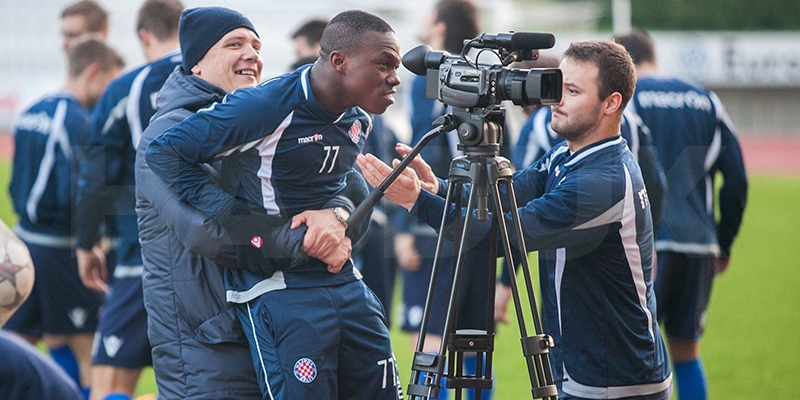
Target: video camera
pixel 474 90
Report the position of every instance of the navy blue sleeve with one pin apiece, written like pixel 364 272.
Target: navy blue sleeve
pixel 552 220
pixel 177 155
pixel 733 193
pixel 102 171
pixel 655 180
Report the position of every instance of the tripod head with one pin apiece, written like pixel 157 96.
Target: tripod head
pixel 480 129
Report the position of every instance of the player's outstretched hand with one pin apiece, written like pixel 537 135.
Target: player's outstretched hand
pixel 92 269
pixel 403 191
pixel 427 179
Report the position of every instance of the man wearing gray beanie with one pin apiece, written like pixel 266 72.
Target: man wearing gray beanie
pixel 199 349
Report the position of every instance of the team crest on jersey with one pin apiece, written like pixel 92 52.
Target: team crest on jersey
pixel 355 131
pixel 305 370
pixel 256 242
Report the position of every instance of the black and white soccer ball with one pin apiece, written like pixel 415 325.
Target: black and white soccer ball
pixel 16 274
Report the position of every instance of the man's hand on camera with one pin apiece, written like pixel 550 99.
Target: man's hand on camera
pixel 403 191
pixel 427 179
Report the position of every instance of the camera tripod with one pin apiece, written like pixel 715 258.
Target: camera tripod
pixel 485 172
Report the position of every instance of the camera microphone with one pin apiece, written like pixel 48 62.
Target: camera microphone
pixel 516 41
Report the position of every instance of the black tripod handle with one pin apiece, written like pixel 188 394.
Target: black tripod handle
pixel 446 123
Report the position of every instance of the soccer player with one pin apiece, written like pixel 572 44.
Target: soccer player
pixel 374 256
pixel 47 137
pixel 26 372
pixel 694 140
pixel 81 20
pixel 584 207
pixel 306 38
pixel 106 188
pixel 315 330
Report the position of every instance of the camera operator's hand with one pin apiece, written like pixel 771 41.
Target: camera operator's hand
pixel 424 172
pixel 403 191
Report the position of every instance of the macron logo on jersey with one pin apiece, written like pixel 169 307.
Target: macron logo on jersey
pixel 256 242
pixel 308 139
pixel 676 100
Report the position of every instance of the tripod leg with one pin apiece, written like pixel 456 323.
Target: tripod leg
pixel 535 348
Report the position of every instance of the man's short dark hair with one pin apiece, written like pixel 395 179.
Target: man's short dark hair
pixel 311 30
pixel 160 17
pixel 615 67
pixel 344 31
pixel 90 51
pixel 461 19
pixel 96 17
pixel 639 45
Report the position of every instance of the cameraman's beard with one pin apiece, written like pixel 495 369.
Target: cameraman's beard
pixel 575 128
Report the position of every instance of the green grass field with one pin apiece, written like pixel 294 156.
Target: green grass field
pixel 750 348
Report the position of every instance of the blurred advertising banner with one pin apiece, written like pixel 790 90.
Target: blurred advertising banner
pixel 731 59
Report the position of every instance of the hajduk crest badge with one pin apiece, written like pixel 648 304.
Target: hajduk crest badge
pixel 305 370
pixel 355 131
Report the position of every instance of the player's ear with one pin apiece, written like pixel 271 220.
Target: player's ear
pixel 338 61
pixel 612 103
pixel 92 70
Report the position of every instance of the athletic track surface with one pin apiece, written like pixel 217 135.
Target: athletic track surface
pixel 763 155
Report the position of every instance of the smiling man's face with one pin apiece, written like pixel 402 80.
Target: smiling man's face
pixel 234 62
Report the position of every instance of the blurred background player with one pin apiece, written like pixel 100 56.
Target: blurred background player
pixel 81 20
pixel 48 137
pixel 26 372
pixel 199 349
pixel 446 28
pixel 306 41
pixel 695 139
pixel 106 187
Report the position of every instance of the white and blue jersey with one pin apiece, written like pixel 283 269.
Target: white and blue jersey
pixel 46 137
pixel 106 183
pixel 285 153
pixel 589 216
pixel 694 139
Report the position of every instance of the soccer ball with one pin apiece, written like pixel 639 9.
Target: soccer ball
pixel 16 275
